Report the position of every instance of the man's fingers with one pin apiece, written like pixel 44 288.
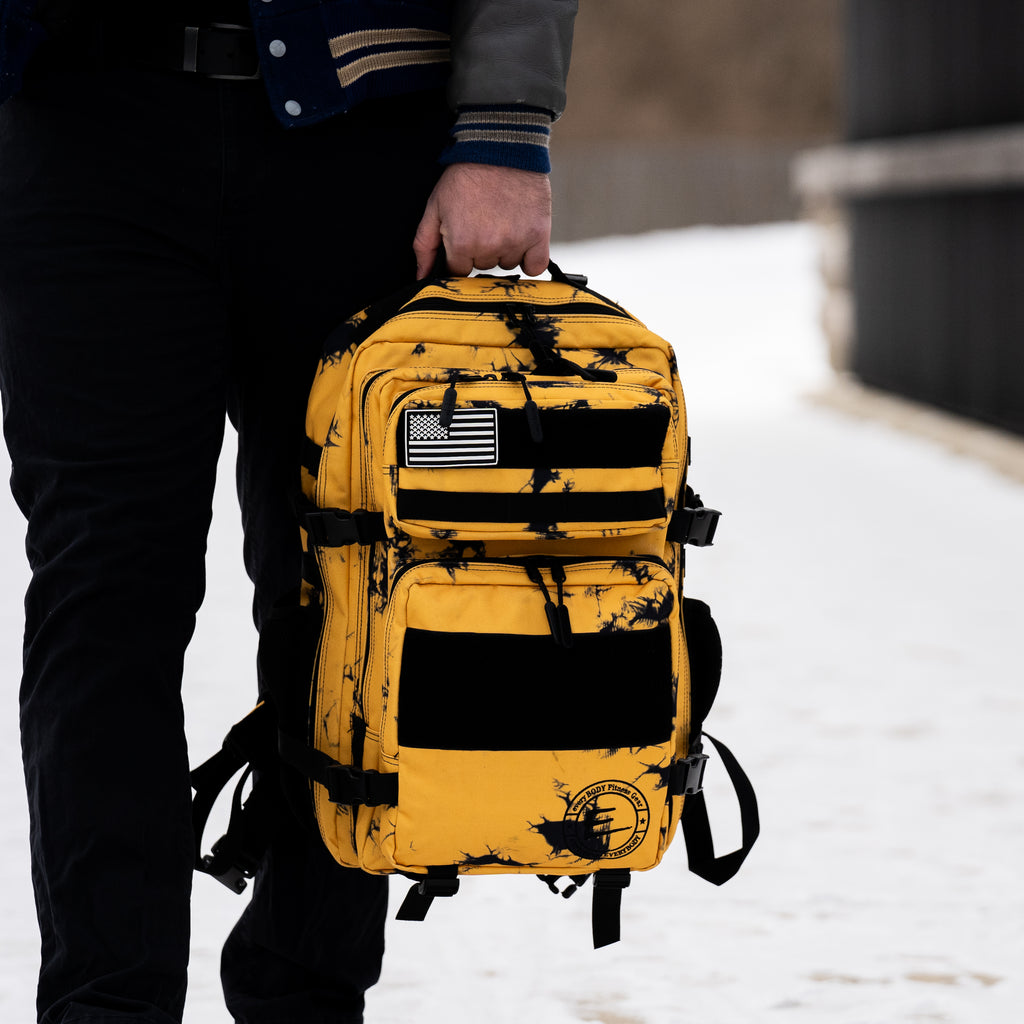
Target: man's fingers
pixel 426 242
pixel 460 264
pixel 486 216
pixel 463 263
pixel 535 260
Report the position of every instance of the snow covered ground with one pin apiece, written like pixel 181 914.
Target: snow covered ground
pixel 866 583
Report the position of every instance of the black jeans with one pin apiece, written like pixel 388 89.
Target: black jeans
pixel 169 253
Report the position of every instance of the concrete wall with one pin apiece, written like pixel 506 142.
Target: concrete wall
pixel 924 210
pixel 688 111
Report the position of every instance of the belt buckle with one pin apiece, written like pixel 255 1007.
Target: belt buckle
pixel 190 56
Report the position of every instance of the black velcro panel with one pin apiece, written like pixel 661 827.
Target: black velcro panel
pixel 543 508
pixel 579 437
pixel 499 691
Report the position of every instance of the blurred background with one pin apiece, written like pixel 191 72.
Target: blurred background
pixel 685 112
pixel 895 126
pixel 808 198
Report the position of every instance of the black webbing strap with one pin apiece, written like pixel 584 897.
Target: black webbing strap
pixel 238 853
pixel 208 780
pixel 344 783
pixel 440 881
pixel 358 328
pixel 311 455
pixel 311 570
pixel 700 848
pixel 335 527
pixel 605 910
pixel 573 280
pixel 250 742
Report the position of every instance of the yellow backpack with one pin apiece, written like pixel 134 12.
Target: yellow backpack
pixel 507 677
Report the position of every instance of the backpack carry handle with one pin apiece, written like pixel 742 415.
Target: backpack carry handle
pixel 573 280
pixel 440 269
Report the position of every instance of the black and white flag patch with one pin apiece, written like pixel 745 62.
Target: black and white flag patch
pixel 470 440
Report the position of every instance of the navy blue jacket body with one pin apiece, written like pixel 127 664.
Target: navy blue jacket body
pixel 504 63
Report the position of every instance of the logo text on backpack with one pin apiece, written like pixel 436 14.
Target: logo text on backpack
pixel 606 820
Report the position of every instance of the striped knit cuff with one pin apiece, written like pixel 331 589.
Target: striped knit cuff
pixel 504 136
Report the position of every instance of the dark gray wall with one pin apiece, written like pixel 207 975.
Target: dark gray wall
pixel 932 65
pixel 938 276
pixel 940 301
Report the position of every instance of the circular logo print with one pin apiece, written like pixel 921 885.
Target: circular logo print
pixel 606 820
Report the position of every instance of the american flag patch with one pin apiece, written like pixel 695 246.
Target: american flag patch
pixel 470 440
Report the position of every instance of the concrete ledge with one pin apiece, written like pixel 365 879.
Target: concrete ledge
pixel 999 449
pixel 963 160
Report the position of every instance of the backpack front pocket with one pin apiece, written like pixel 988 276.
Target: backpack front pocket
pixel 531 711
pixel 532 458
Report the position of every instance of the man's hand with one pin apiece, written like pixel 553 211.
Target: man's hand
pixel 486 217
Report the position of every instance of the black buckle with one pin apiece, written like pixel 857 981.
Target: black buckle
pixel 354 786
pixel 331 527
pixel 229 865
pixel 695 526
pixel 692 774
pixel 420 897
pixel 346 785
pixel 438 887
pixel 335 527
pixel 231 62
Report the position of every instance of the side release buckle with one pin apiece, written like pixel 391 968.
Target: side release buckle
pixel 694 526
pixel 688 775
pixel 355 787
pixel 228 863
pixel 336 527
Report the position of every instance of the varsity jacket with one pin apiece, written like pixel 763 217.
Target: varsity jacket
pixel 504 62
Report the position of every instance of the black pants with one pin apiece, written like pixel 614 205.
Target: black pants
pixel 168 253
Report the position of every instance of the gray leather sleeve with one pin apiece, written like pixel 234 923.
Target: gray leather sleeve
pixel 511 52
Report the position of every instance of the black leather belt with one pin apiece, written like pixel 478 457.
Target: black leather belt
pixel 216 50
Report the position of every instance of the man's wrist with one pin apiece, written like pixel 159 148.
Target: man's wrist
pixel 514 136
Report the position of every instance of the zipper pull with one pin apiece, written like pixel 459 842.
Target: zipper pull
pixel 550 610
pixel 448 405
pixel 532 412
pixel 532 416
pixel 564 625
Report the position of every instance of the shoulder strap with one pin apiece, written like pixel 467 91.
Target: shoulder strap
pixel 251 745
pixel 359 327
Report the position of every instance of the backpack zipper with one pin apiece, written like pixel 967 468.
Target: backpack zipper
pixel 578 308
pixel 556 612
pixel 544 561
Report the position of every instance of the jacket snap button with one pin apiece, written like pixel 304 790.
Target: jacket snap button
pixel 277 48
pixel 293 107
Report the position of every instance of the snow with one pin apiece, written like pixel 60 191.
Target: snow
pixel 866 585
